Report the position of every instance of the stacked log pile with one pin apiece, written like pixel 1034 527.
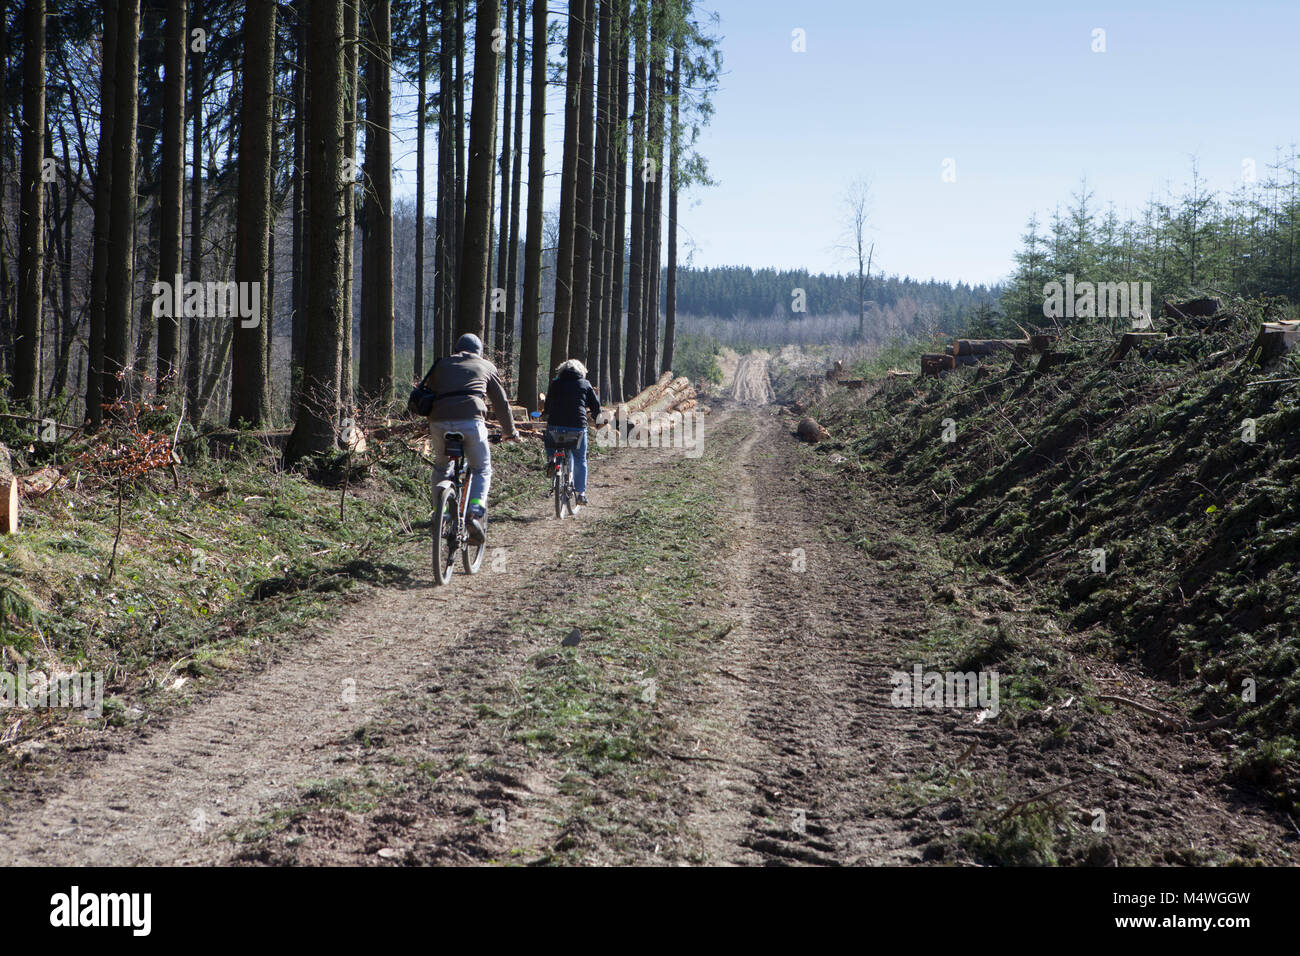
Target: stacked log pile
pixel 660 407
pixel 668 394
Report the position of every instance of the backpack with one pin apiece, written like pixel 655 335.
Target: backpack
pixel 423 398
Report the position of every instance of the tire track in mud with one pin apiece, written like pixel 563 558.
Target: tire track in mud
pixel 799 691
pixel 751 384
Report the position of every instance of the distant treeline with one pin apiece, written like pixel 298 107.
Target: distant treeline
pixel 731 292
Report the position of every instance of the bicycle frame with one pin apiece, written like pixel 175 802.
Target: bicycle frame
pixel 455 483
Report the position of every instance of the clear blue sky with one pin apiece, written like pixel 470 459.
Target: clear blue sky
pixel 1010 91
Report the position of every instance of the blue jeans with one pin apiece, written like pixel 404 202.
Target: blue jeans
pixel 478 455
pixel 579 457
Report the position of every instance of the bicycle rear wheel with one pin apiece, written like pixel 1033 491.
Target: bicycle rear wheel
pixel 472 554
pixel 444 534
pixel 557 487
pixel 568 484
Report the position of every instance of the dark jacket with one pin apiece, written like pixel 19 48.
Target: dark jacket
pixel 569 399
pixel 468 383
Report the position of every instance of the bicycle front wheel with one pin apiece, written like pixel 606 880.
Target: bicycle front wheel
pixel 445 544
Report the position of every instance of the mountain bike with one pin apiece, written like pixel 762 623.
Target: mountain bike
pixel 566 497
pixel 451 517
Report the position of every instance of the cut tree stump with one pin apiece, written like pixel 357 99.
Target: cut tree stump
pixel 935 363
pixel 1130 340
pixel 9 506
pixel 1195 308
pixel 1275 339
pixel 1050 360
pixel 985 346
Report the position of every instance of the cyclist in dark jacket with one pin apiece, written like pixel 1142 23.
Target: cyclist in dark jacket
pixel 568 401
pixel 465 382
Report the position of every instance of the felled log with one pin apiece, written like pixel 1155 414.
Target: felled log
pixel 9 506
pixel 1040 343
pixel 1275 339
pixel 1130 340
pixel 808 430
pixel 40 483
pixel 1195 308
pixel 985 346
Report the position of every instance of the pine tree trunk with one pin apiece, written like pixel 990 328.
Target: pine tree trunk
pixel 298 291
pixel 489 306
pixel 579 315
pixel 192 357
pixel 532 304
pixel 121 235
pixel 351 92
pixel 458 130
pixel 500 317
pixel 512 266
pixel 171 248
pixel 564 257
pixel 376 370
pixel 445 223
pixel 148 129
pixel 249 403
pixel 63 234
pixel 99 231
pixel 6 331
pixel 314 430
pixel 636 267
pixel 601 210
pixel 670 294
pixel 421 107
pixel 472 289
pixel 619 235
pixel 31 216
pixel 654 205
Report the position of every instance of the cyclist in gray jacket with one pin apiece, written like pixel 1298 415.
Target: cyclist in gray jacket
pixel 462 384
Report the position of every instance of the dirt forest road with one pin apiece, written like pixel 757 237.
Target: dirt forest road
pixel 729 702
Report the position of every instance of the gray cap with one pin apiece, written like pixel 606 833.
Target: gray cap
pixel 469 342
